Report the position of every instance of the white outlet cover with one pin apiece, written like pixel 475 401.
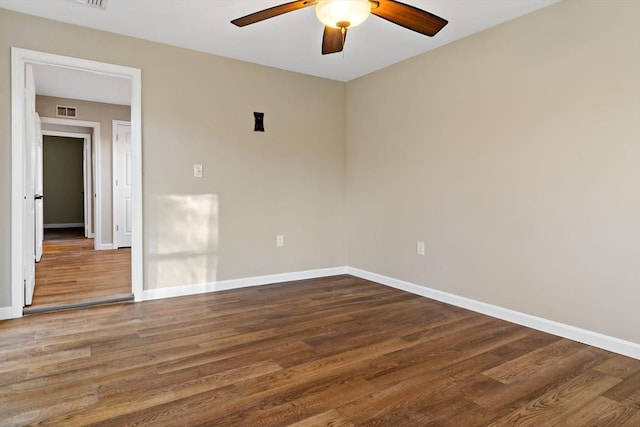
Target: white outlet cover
pixel 420 248
pixel 197 171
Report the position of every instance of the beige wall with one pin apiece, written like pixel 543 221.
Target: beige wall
pixel 515 155
pixel 512 153
pixel 92 112
pixel 198 108
pixel 62 180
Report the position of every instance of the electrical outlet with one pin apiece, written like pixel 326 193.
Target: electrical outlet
pixel 279 240
pixel 197 171
pixel 420 248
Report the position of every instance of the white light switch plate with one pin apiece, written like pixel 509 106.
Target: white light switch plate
pixel 197 171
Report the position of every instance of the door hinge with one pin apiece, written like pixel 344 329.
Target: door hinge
pixel 117 228
pixel 116 182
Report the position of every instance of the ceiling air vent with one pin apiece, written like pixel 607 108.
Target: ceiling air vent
pixel 99 4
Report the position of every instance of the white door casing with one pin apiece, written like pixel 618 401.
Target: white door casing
pixel 122 201
pixel 29 114
pixel 20 58
pixel 87 163
pixel 39 203
pixel 93 177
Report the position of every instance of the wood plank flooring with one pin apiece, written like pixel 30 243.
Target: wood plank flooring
pixel 337 351
pixel 70 271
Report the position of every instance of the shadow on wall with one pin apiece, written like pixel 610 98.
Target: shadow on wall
pixel 183 246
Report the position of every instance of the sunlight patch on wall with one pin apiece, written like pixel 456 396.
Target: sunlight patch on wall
pixel 183 245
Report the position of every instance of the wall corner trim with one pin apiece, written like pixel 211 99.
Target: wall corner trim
pixel 616 345
pixel 224 285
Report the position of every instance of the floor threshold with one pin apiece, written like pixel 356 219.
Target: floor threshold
pixel 80 304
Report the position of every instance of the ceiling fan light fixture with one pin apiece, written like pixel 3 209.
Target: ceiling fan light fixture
pixel 343 13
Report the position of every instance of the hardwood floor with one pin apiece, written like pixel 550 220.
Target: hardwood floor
pixel 71 272
pixel 63 233
pixel 338 351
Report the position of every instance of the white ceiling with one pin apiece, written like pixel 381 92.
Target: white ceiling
pixel 74 84
pixel 291 41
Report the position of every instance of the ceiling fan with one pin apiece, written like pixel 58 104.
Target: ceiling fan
pixel 339 15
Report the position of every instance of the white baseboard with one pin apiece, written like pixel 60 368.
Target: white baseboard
pixel 6 313
pixel 223 285
pixel 616 345
pixel 626 348
pixel 65 225
pixel 105 246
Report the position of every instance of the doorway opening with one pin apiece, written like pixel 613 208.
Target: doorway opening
pixel 67 182
pixel 22 217
pixel 70 273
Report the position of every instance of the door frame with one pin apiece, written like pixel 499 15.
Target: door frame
pixel 114 187
pixel 88 176
pixel 19 58
pixel 96 148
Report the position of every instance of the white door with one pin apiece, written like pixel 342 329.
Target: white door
pixel 39 219
pixel 122 185
pixel 29 265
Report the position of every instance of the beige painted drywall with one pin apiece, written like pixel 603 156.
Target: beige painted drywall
pixel 92 112
pixel 198 108
pixel 514 155
pixel 62 180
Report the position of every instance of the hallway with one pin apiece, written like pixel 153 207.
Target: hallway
pixel 71 272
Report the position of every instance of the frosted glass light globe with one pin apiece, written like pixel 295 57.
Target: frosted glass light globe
pixel 343 13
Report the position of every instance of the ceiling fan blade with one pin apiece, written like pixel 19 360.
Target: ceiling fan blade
pixel 333 40
pixel 272 11
pixel 409 17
